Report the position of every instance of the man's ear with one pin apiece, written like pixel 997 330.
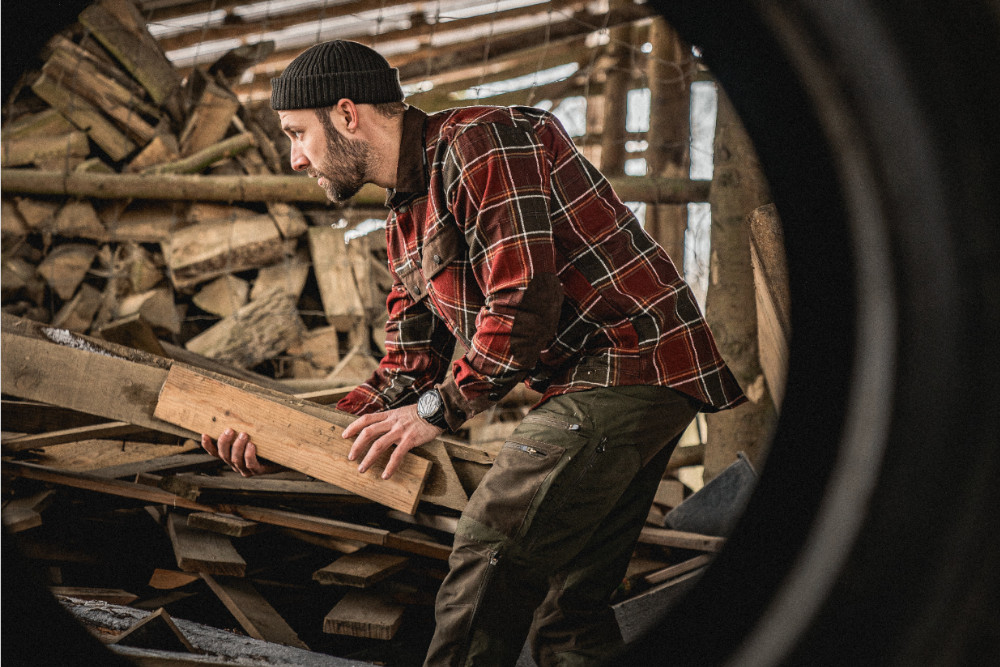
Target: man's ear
pixel 345 116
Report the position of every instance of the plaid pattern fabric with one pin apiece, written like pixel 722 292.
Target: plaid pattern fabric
pixel 502 236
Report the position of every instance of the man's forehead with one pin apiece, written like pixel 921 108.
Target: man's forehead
pixel 295 116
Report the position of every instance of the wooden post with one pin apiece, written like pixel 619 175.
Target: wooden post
pixel 669 132
pixel 738 188
pixel 618 74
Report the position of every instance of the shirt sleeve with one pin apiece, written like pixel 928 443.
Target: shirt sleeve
pixel 418 348
pixel 496 178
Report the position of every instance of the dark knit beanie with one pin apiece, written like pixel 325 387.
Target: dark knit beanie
pixel 330 71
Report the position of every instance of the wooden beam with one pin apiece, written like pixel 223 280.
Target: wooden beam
pixel 213 490
pixel 285 435
pixel 254 613
pixel 261 188
pixel 361 569
pixel 116 388
pixel 89 482
pixel 112 430
pixel 666 537
pixel 770 273
pixel 277 188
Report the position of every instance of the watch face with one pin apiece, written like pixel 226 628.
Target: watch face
pixel 429 404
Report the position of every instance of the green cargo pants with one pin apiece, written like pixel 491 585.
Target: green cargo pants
pixel 547 535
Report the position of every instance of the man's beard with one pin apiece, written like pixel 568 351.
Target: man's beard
pixel 345 167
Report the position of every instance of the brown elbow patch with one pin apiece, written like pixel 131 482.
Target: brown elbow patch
pixel 536 320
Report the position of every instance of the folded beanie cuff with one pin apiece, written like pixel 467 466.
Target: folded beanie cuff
pixel 331 71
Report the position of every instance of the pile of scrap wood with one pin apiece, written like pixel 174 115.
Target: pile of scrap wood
pixel 161 279
pixel 108 490
pixel 196 251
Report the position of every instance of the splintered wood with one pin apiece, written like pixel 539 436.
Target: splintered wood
pixel 285 436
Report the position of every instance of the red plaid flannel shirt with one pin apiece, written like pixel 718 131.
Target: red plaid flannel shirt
pixel 502 236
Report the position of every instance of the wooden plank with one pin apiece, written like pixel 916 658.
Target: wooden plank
pixel 670 493
pixel 286 436
pixel 97 484
pixel 35 440
pixel 414 542
pixel 159 464
pixel 202 551
pixel 112 595
pixel 666 537
pixel 314 524
pixel 17 519
pixel 770 271
pixel 233 488
pixel 166 580
pixel 443 486
pixel 446 524
pixel 361 569
pixel 117 388
pixel 254 613
pixel 224 524
pixel 326 541
pixel 23 513
pixel 362 613
pixel 677 570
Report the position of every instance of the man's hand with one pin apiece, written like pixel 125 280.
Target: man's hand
pixel 376 432
pixel 239 452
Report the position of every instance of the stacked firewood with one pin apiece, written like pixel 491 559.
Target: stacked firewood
pixel 269 285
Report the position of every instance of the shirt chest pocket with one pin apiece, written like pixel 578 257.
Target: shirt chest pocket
pixel 439 250
pixel 443 247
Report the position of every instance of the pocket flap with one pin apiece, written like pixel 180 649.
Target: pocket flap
pixel 441 249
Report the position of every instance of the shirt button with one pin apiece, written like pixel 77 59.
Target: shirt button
pixel 494 396
pixel 416 289
pixel 404 209
pixel 437 258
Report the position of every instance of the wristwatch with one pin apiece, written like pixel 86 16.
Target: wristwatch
pixel 430 408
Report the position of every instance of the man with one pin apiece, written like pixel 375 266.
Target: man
pixel 503 237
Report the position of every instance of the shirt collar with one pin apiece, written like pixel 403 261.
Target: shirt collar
pixel 411 171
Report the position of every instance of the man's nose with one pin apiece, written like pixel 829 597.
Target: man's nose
pixel 298 159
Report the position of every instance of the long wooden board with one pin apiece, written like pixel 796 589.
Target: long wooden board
pixel 284 435
pixel 254 613
pixel 362 613
pixel 203 551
